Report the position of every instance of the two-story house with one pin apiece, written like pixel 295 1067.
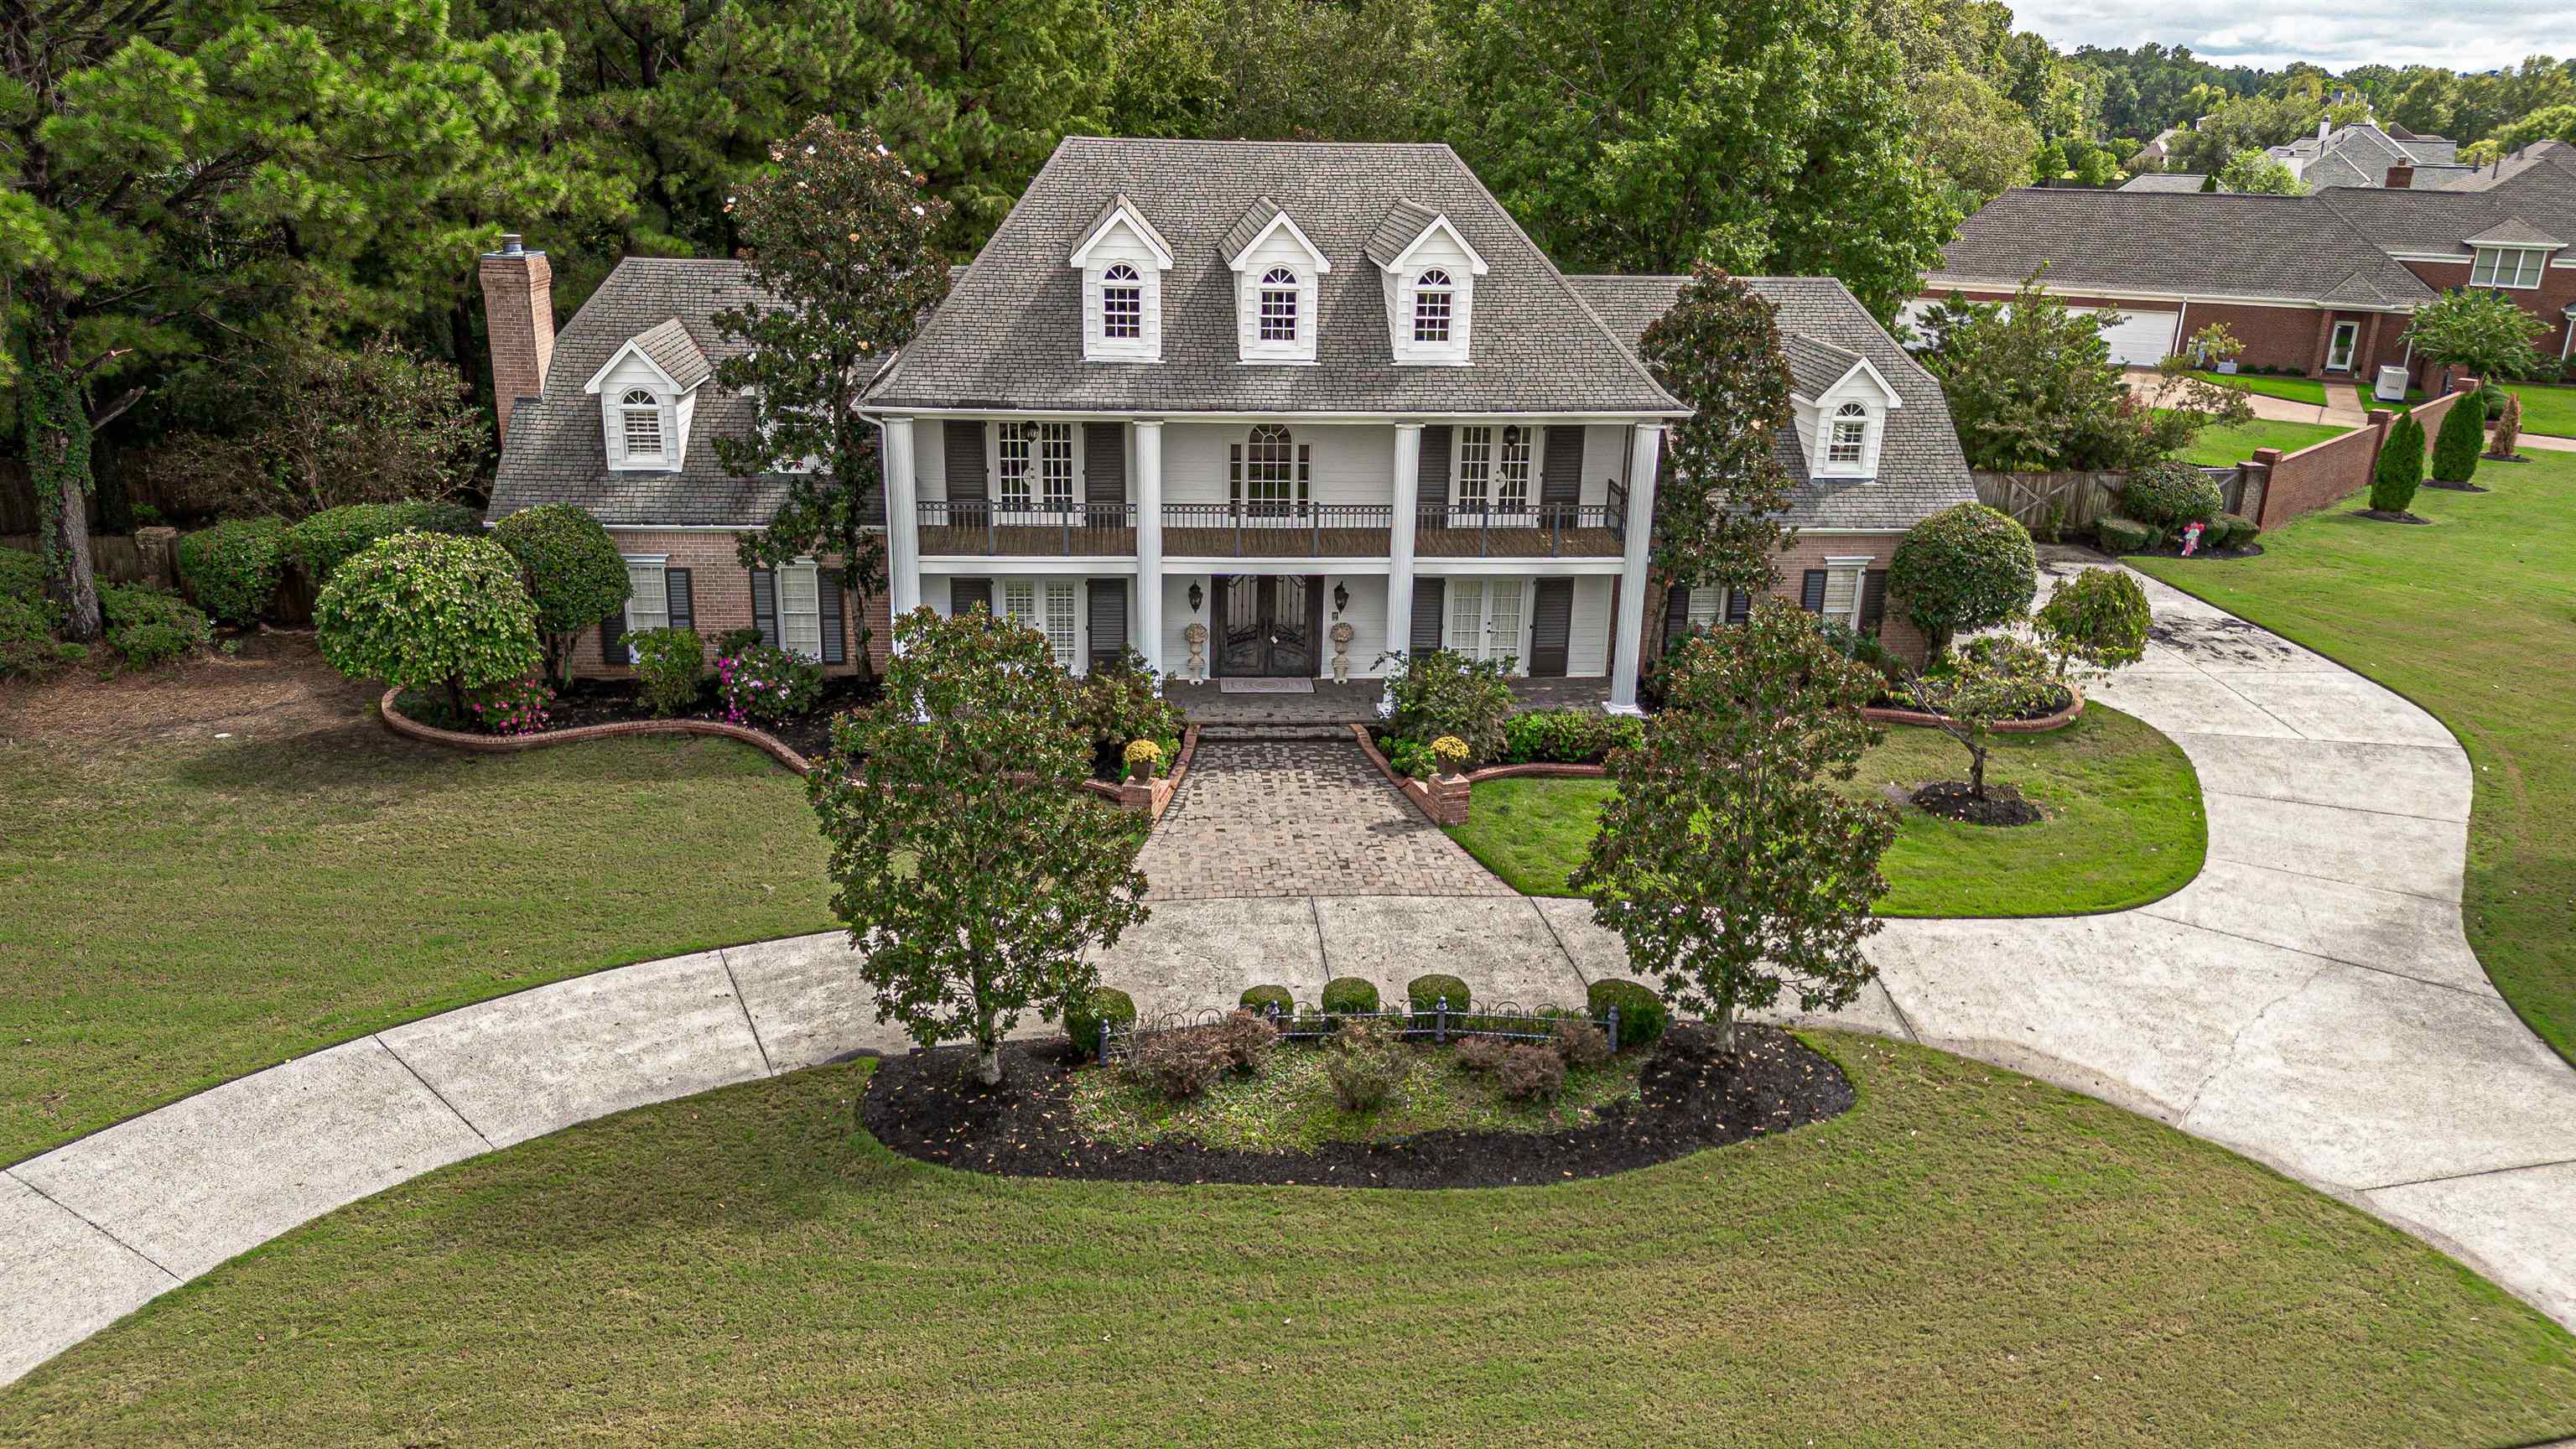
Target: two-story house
pixel 1210 400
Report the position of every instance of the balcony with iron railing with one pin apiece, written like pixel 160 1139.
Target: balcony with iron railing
pixel 1277 530
pixel 979 528
pixel 1544 530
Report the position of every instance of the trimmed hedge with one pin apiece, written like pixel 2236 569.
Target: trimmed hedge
pixel 2401 466
pixel 1260 999
pixel 2170 494
pixel 331 537
pixel 2127 535
pixel 1083 1015
pixel 1642 1014
pixel 1567 736
pixel 2457 446
pixel 149 627
pixel 2233 530
pixel 1349 996
pixel 232 568
pixel 1426 993
pixel 1964 568
pixel 670 668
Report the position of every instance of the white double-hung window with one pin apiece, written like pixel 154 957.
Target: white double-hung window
pixel 1048 606
pixel 1844 578
pixel 800 610
pixel 2516 267
pixel 1278 317
pixel 1122 304
pixel 648 597
pixel 1849 443
pixel 640 423
pixel 1485 618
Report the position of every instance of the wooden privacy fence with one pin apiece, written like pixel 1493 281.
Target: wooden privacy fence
pixel 2050 504
pixel 116 558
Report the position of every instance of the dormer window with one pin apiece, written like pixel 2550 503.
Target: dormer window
pixel 1431 294
pixel 1848 448
pixel 1122 304
pixel 1121 259
pixel 1279 305
pixel 640 415
pixel 2515 267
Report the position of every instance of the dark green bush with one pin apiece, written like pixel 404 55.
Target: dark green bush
pixel 2494 397
pixel 2170 494
pixel 734 641
pixel 2127 535
pixel 1084 1014
pixel 1851 644
pixel 1348 996
pixel 2457 446
pixel 321 543
pixel 2239 530
pixel 148 627
pixel 26 637
pixel 1119 705
pixel 1642 1014
pixel 1426 993
pixel 22 575
pixel 573 571
pixel 232 568
pixel 1445 693
pixel 1965 567
pixel 148 646
pixel 670 668
pixel 2401 466
pixel 1567 736
pixel 1409 758
pixel 1260 999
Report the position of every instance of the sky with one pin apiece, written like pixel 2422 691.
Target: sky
pixel 2336 34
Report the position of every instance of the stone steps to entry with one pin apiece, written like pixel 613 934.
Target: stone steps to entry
pixel 1254 730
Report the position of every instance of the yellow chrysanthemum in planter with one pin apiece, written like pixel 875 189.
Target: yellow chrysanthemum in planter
pixel 1450 751
pixel 1144 758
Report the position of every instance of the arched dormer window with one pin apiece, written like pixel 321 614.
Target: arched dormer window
pixel 1279 305
pixel 640 424
pixel 1432 292
pixel 1122 304
pixel 1848 445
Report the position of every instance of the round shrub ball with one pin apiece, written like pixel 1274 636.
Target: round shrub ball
pixel 1428 992
pixel 1966 567
pixel 1086 1011
pixel 428 611
pixel 1349 996
pixel 2170 494
pixel 1260 1000
pixel 232 568
pixel 574 572
pixel 1642 1014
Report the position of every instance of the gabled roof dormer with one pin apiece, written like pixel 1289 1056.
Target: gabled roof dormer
pixel 1277 271
pixel 1122 259
pixel 1842 401
pixel 1430 275
pixel 647 393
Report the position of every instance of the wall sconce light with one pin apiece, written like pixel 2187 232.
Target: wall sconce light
pixel 1197 597
pixel 1341 599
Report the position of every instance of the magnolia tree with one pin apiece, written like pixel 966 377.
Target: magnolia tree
pixel 2480 332
pixel 1726 859
pixel 1966 567
pixel 1717 510
pixel 429 611
pixel 573 570
pixel 973 868
pixel 838 237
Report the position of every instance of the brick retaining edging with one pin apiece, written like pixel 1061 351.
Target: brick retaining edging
pixel 768 744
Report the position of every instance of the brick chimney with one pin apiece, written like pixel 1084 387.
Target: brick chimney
pixel 519 315
pixel 2401 176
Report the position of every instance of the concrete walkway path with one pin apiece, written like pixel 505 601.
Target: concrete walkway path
pixel 2309 1000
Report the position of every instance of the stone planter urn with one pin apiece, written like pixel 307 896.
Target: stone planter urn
pixel 1342 636
pixel 1196 637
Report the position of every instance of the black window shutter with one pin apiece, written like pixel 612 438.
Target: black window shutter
pixel 827 590
pixel 1430 606
pixel 1551 628
pixel 1812 596
pixel 612 638
pixel 1431 480
pixel 1873 601
pixel 1560 478
pixel 1104 468
pixel 1739 606
pixel 966 594
pixel 683 601
pixel 764 605
pixel 964 442
pixel 1108 605
pixel 1676 613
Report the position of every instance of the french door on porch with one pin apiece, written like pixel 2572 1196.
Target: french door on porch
pixel 1485 618
pixel 1268 625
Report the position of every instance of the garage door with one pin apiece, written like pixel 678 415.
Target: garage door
pixel 2138 339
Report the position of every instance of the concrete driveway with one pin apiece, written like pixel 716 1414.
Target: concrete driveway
pixel 2309 1001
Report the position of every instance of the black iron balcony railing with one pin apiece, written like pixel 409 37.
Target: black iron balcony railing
pixel 1544 530
pixel 985 528
pixel 1276 530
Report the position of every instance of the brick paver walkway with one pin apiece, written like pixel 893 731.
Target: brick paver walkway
pixel 1294 818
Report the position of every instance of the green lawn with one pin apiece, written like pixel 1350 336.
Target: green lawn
pixel 1967 1258
pixel 2475 620
pixel 2217 447
pixel 2361 394
pixel 2125 824
pixel 2546 408
pixel 2292 389
pixel 175 913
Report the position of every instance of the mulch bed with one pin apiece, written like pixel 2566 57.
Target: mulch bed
pixel 613 701
pixel 2381 515
pixel 2003 805
pixel 928 1106
pixel 2174 550
pixel 2453 487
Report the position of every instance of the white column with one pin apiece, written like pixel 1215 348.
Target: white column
pixel 1647 456
pixel 903 520
pixel 1399 539
pixel 1149 542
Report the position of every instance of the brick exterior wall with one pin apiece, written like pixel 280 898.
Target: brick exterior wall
pixel 519 314
pixel 2294 339
pixel 720 590
pixel 2548 301
pixel 1810 551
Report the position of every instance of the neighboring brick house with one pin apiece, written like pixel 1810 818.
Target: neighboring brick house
pixel 1265 389
pixel 2319 284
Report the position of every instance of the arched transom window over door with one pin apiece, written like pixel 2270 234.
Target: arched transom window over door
pixel 1122 304
pixel 1279 305
pixel 1432 292
pixel 1851 436
pixel 1272 472
pixel 640 424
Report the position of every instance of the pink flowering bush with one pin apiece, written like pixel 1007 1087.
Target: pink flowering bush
pixel 766 683
pixel 512 707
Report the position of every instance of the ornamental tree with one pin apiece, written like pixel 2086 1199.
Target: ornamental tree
pixel 2098 620
pixel 838 235
pixel 1993 680
pixel 2031 385
pixel 973 869
pixel 2462 437
pixel 429 611
pixel 1726 859
pixel 573 573
pixel 1966 567
pixel 2400 469
pixel 2481 332
pixel 1718 507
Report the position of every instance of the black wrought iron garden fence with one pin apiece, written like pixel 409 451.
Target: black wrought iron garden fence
pixel 1438 1023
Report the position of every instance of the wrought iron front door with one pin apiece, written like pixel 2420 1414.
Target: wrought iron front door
pixel 1266 626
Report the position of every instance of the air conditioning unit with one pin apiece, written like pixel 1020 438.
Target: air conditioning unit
pixel 2391 386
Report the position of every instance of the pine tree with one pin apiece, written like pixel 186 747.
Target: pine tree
pixel 2463 435
pixel 2400 470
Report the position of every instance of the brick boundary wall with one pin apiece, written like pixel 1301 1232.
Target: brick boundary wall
pixel 2320 475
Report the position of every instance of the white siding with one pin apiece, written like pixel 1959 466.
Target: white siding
pixel 1438 251
pixel 1367 618
pixel 1122 244
pixel 1588 652
pixel 1177 617
pixel 634 372
pixel 930 457
pixel 1279 249
pixel 1605 457
pixel 1352 464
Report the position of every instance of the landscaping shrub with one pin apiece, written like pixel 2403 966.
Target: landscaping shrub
pixel 148 646
pixel 2239 530
pixel 1426 993
pixel 670 666
pixel 573 572
pixel 1177 1065
pixel 1852 644
pixel 425 611
pixel 1363 1065
pixel 321 543
pixel 2457 445
pixel 2127 535
pixel 1083 1015
pixel 2492 399
pixel 1530 1073
pixel 1567 736
pixel 2508 428
pixel 1118 705
pixel 22 576
pixel 512 707
pixel 26 637
pixel 2401 466
pixel 1580 1043
pixel 148 627
pixel 232 568
pixel 1410 759
pixel 2170 494
pixel 1445 693
pixel 1349 996
pixel 1966 567
pixel 2098 618
pixel 1245 1039
pixel 1260 999
pixel 734 641
pixel 1480 1053
pixel 1642 1014
pixel 767 684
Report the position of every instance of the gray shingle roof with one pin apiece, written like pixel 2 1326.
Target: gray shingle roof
pixel 2441 222
pixel 1404 221
pixel 1108 209
pixel 2513 231
pixel 2164 181
pixel 1010 335
pixel 1246 230
pixel 671 348
pixel 1920 468
pixel 2543 155
pixel 2295 248
pixel 556 452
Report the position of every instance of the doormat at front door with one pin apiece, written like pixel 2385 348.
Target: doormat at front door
pixel 1265 686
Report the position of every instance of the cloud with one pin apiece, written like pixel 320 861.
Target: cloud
pixel 2336 34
